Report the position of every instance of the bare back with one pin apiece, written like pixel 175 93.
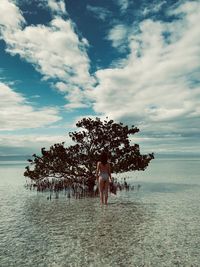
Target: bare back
pixel 104 168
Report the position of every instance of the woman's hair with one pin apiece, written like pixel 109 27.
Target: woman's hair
pixel 104 158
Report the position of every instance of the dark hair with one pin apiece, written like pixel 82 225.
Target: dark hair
pixel 104 158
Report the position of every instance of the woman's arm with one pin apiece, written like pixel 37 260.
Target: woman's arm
pixel 97 171
pixel 109 171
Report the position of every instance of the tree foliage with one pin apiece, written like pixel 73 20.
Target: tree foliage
pixel 78 162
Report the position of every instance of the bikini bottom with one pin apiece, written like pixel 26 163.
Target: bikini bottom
pixel 104 176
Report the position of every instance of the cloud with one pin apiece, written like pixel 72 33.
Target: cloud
pixel 10 16
pixel 99 12
pixel 123 4
pixel 15 144
pixel 157 85
pixel 118 35
pixel 57 7
pixel 54 50
pixel 76 99
pixel 17 113
pixel 168 145
pixel 31 140
pixel 153 7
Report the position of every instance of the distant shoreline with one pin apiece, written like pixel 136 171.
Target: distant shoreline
pixel 157 157
pixel 15 158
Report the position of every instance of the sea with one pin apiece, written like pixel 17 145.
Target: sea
pixel 156 224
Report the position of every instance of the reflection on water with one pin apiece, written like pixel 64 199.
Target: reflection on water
pixel 157 226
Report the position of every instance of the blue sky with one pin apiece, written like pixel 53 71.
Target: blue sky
pixel 137 62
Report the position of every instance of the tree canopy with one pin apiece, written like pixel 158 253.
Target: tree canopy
pixel 78 162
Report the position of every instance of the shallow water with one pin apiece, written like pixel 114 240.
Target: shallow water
pixel 155 226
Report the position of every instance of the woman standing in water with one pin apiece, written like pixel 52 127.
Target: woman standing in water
pixel 103 174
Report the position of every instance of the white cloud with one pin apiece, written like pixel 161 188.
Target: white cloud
pixel 153 8
pixel 99 12
pixel 10 16
pixel 76 99
pixel 166 144
pixel 16 144
pixel 55 50
pixel 123 4
pixel 57 6
pixel 31 140
pixel 17 113
pixel 118 35
pixel 156 87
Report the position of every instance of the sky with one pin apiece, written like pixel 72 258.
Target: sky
pixel 133 61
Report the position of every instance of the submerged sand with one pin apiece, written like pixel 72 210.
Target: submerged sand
pixel 151 227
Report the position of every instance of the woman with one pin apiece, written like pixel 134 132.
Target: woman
pixel 103 176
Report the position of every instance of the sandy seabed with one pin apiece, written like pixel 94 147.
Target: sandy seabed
pixel 145 228
pixel 157 226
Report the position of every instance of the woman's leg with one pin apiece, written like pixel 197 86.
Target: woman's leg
pixel 101 189
pixel 106 192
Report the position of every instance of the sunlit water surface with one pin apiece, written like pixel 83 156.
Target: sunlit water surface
pixel 155 226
